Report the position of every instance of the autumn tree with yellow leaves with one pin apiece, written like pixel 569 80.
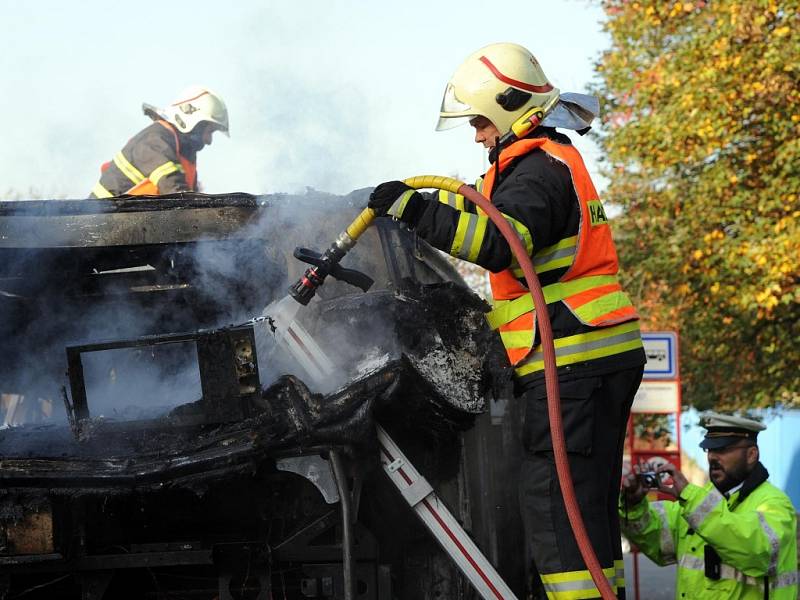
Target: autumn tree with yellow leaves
pixel 701 133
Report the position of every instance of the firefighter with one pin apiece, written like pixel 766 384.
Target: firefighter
pixel 735 537
pixel 538 180
pixel 162 158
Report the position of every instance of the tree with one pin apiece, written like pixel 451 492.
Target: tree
pixel 700 133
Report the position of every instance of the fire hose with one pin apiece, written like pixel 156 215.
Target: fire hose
pixel 328 263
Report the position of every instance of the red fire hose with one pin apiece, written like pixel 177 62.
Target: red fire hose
pixel 550 373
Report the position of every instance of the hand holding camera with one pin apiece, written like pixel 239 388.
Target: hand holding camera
pixel 663 477
pixel 650 480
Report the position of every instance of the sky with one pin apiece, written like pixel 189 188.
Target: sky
pixel 334 96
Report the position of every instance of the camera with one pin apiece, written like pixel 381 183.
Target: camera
pixel 649 480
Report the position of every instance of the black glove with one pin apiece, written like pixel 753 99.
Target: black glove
pixel 390 198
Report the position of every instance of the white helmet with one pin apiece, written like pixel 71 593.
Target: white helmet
pixel 195 105
pixel 502 82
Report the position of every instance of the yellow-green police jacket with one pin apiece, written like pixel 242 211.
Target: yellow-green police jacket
pixel 744 543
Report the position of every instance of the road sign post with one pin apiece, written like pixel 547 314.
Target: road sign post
pixel 657 407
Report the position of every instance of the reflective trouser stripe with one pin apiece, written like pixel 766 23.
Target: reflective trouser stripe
pixel 575 585
pixel 699 514
pixel 453 200
pixel 619 574
pixel 505 311
pixel 100 192
pixel 165 169
pixel 128 169
pixel 469 236
pixel 586 346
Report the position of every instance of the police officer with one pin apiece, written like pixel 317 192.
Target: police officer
pixel 736 537
pixel 538 181
pixel 162 158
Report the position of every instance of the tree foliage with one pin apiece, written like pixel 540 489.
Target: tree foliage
pixel 700 133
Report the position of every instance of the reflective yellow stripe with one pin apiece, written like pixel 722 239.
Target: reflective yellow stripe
pixel 517 339
pixel 523 233
pixel 479 185
pixel 464 222
pixel 619 574
pixel 556 256
pixel 553 257
pixel 453 200
pixel 468 239
pixel 505 311
pixel 128 169
pixel 399 206
pixel 165 169
pixel 101 192
pixel 575 585
pixel 602 306
pixel 477 240
pixel 586 346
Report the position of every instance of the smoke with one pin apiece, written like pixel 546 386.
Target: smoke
pixel 56 298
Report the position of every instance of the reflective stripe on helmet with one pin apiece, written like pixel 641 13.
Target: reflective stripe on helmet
pixel 538 89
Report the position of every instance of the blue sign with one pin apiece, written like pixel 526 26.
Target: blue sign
pixel 661 348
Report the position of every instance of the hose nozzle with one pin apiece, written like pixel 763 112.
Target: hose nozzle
pixel 326 264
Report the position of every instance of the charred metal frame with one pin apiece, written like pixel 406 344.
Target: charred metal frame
pixel 226 358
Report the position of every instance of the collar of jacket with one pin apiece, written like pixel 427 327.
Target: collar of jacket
pixel 539 132
pixel 503 168
pixel 757 476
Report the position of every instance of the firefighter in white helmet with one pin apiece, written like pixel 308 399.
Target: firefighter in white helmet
pixel 162 158
pixel 537 179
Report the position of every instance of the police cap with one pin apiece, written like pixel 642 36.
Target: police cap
pixel 726 430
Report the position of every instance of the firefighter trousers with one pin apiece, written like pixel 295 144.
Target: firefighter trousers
pixel 595 413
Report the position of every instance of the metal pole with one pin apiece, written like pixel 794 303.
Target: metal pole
pixel 635 574
pixel 347 524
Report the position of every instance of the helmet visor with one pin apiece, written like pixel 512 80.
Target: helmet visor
pixel 445 123
pixel 453 112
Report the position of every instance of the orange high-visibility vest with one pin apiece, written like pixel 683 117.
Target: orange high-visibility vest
pixel 146 187
pixel 589 288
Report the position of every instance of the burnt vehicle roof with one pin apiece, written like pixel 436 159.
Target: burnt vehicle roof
pixel 414 349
